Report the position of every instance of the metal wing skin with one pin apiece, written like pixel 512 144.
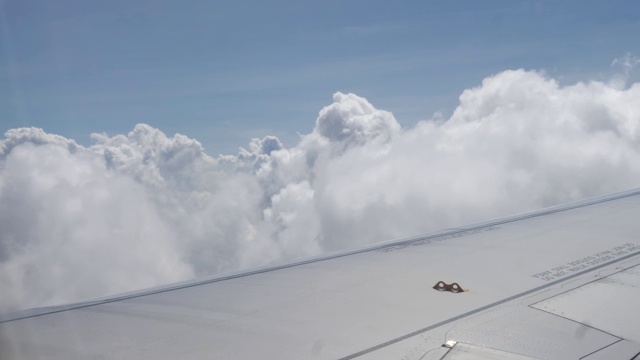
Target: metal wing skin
pixel 560 283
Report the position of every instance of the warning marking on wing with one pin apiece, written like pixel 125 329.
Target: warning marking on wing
pixel 587 262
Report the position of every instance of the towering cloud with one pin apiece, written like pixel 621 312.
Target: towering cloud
pixel 143 209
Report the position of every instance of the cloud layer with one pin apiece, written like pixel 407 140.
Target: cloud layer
pixel 144 209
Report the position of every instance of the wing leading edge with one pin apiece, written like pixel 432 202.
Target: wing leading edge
pixel 554 284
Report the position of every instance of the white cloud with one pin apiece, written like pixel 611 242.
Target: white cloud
pixel 625 66
pixel 626 62
pixel 144 209
pixel 72 229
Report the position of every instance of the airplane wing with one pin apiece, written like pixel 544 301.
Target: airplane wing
pixel 559 283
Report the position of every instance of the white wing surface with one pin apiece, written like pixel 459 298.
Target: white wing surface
pixel 560 283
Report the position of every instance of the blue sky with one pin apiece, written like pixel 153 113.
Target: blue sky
pixel 224 72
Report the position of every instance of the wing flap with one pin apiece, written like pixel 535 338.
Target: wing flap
pixel 611 304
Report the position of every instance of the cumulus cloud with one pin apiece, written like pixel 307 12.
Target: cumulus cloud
pixel 72 229
pixel 143 209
